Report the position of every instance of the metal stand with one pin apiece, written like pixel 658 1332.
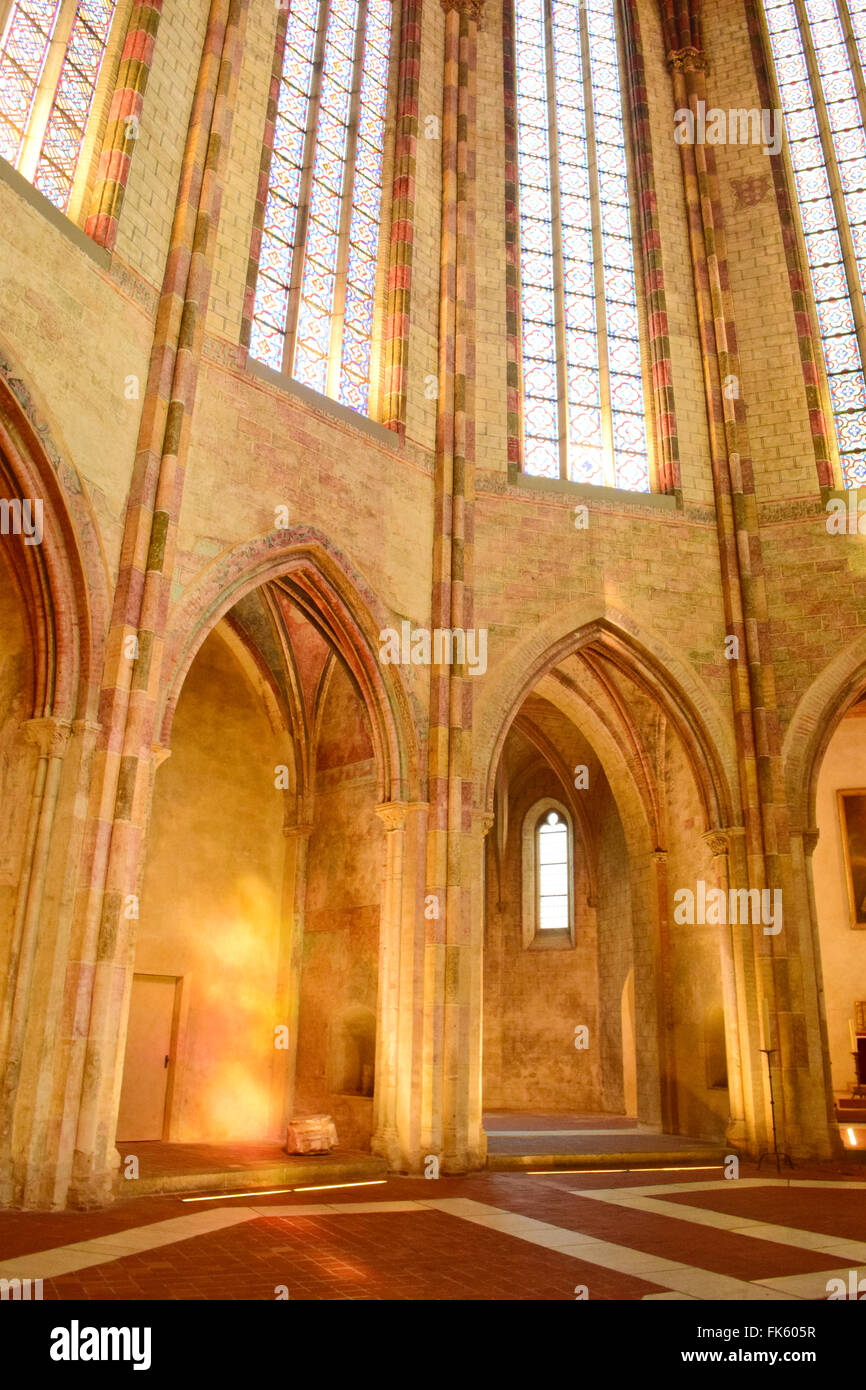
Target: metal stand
pixel 774 1152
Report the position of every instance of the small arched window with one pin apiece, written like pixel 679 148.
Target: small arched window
pixel 548 875
pixel 51 53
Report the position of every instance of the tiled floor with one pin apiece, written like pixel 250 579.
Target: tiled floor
pixel 155 1157
pixel 494 1236
pixel 172 1163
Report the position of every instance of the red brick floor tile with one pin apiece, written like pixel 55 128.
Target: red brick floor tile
pixel 436 1255
pixel 722 1252
pixel 413 1255
pixel 832 1213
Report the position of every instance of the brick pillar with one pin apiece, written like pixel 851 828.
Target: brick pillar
pixel 123 117
pixel 648 261
pixel 776 963
pixel 264 179
pixel 454 1019
pixel 396 327
pixel 100 977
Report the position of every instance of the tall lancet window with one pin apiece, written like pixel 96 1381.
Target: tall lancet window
pixel 51 53
pixel 819 49
pixel 315 291
pixel 553 873
pixel 583 399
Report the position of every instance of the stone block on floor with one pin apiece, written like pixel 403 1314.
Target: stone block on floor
pixel 316 1134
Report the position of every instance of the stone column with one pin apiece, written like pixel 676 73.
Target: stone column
pixel 737 1131
pixel 803 844
pixel 399 1088
pixel 51 737
pixel 288 993
pixel 393 816
pixel 476 1139
pixel 665 994
pixel 750 982
pixel 647 875
pixel 452 1036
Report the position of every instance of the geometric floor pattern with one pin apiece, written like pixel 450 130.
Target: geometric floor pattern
pixel 487 1237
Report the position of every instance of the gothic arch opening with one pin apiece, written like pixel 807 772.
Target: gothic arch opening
pixel 17 688
pixel 607 1027
pixel 552 1037
pixel 210 913
pixel 260 908
pixel 53 616
pixel 839 882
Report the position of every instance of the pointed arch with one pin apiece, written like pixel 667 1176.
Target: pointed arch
pixel 62 580
pixel 816 718
pixel 338 602
pixel 646 661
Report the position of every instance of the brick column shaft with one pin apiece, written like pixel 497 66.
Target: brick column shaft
pixel 452 1015
pixel 123 118
pixel 774 964
pixel 396 325
pixel 122 783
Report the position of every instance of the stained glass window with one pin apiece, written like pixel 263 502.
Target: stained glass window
pixel 583 404
pixel 315 292
pixel 819 48
pixel 50 58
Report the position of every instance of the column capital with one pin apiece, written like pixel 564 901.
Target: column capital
pixel 159 755
pixel 473 9
pixel 687 60
pixel 721 838
pixel 717 842
pixel 296 830
pixel 393 814
pixel 50 735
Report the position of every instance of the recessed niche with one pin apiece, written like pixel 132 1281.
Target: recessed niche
pixel 353 1051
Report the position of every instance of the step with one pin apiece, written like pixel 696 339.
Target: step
pixel 324 1169
pixel 669 1158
